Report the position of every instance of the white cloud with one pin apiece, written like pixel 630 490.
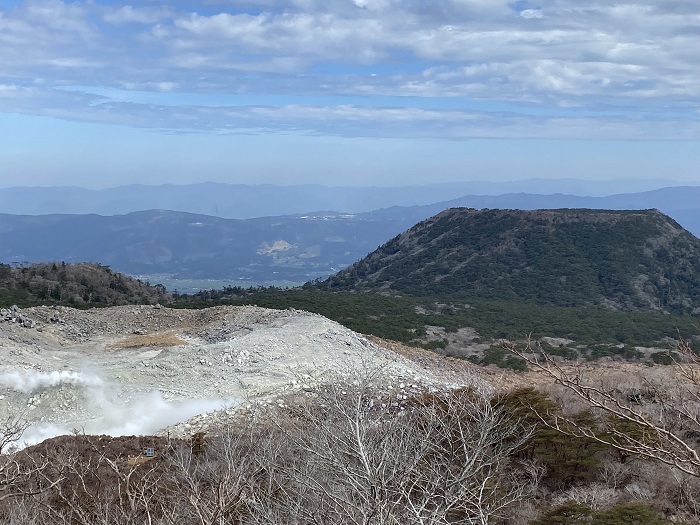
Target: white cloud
pixel 310 37
pixel 531 13
pixel 350 120
pixel 8 89
pixel 129 14
pixel 636 54
pixel 58 15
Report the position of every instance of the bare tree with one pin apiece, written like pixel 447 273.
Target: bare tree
pixel 659 423
pixel 361 458
pixel 11 429
pixel 346 453
pixel 17 470
pixel 99 489
pixel 213 483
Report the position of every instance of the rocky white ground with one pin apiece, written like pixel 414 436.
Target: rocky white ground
pixel 145 369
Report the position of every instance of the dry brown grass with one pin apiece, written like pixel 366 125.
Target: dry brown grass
pixel 132 461
pixel 617 373
pixel 158 340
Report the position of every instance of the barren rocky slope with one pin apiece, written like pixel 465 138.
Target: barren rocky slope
pixel 145 369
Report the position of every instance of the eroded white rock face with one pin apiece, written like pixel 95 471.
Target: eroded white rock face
pixel 103 371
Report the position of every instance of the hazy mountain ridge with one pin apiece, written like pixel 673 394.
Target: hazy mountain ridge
pixel 241 201
pixel 626 260
pixel 297 248
pixel 276 248
pixel 681 203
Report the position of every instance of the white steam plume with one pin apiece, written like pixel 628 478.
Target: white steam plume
pixel 30 381
pixel 143 416
pixel 105 411
pixel 148 414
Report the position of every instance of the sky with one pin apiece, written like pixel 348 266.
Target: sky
pixel 100 93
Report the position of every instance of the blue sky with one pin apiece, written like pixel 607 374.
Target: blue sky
pixel 347 92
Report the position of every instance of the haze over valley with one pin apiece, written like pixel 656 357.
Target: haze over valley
pixel 165 241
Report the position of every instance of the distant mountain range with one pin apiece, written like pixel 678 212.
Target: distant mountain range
pixel 187 246
pixel 627 260
pixel 296 247
pixel 682 203
pixel 240 201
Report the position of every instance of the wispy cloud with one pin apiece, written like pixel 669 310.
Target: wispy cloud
pixel 630 65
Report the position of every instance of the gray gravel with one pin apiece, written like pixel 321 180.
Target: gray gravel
pixel 68 369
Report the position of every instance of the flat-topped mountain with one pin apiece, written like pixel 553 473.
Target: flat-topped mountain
pixel 625 260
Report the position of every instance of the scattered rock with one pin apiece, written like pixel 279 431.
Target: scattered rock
pixel 229 354
pixel 13 315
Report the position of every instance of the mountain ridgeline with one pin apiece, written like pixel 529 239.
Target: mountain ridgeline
pixel 624 260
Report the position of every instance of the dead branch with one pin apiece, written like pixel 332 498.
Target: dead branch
pixel 653 438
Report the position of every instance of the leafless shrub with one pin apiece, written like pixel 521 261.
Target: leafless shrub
pixel 660 421
pixel 595 495
pixel 346 453
pixel 17 469
pixel 11 429
pixel 215 482
pixel 359 457
pixel 614 474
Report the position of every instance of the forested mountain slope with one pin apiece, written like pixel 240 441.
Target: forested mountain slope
pixel 626 260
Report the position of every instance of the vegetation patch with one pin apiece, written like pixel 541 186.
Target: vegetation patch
pixel 81 285
pixel 405 319
pixel 596 331
pixel 501 358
